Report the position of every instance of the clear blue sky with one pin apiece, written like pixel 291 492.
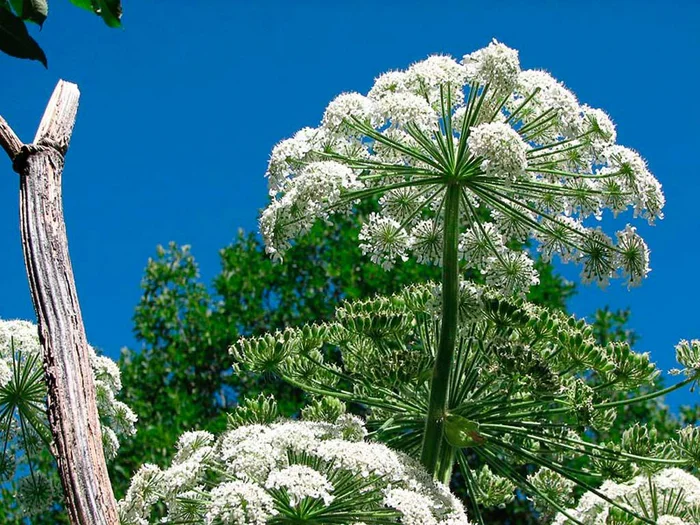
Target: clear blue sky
pixel 180 109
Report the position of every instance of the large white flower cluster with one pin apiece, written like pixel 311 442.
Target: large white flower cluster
pixel 529 159
pixel 118 420
pixel 671 497
pixel 304 471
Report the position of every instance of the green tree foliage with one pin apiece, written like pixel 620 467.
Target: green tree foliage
pixel 15 15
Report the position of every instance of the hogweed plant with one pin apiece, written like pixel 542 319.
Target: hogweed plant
pixel 469 161
pixel 24 428
pixel 473 162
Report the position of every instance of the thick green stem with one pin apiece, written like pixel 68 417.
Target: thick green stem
pixel 433 436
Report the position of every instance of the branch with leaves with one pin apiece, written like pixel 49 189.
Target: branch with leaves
pixel 17 15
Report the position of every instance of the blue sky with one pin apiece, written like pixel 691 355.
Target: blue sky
pixel 180 110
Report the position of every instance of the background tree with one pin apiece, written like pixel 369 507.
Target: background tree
pixel 16 15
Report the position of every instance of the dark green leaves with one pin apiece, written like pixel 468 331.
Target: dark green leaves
pixel 109 10
pixel 14 37
pixel 16 41
pixel 31 10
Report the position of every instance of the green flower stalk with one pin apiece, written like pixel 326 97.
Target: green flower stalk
pixel 469 161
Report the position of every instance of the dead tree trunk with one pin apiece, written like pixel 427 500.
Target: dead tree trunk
pixel 72 409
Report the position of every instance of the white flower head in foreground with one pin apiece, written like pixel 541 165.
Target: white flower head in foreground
pixel 301 471
pixel 22 398
pixel 515 147
pixel 671 496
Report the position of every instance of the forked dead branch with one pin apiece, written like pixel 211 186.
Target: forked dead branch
pixel 72 410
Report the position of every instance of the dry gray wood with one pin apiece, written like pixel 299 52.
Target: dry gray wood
pixel 8 140
pixel 72 409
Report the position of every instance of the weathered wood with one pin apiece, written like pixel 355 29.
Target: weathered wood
pixel 8 140
pixel 72 409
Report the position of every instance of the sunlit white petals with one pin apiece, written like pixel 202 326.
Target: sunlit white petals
pixel 288 468
pixel 239 503
pixel 290 154
pixel 651 203
pixel 414 507
pixel 384 240
pixel 512 272
pixel 496 65
pixel 388 83
pixel 426 78
pixel 427 241
pixel 633 255
pixel 668 485
pixel 550 97
pixel 479 243
pixel 598 127
pixel 404 107
pixel 349 106
pixel 316 189
pixel 501 147
pixel 299 482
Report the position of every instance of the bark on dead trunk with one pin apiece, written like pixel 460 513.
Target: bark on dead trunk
pixel 72 409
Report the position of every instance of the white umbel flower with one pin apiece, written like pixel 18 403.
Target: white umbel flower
pixel 427 241
pixel 633 257
pixel 388 83
pixel 21 352
pixel 404 107
pixel 289 467
pixel 349 106
pixel 480 243
pixel 5 373
pixel 669 484
pixel 517 145
pixel 496 65
pixel 512 272
pixel 299 482
pixel 550 96
pixel 385 240
pixel 502 148
pixel 290 154
pixel 427 77
pixel 239 503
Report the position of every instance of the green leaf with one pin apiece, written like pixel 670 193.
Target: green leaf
pixel 15 39
pixel 84 4
pixel 109 10
pixel 31 10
